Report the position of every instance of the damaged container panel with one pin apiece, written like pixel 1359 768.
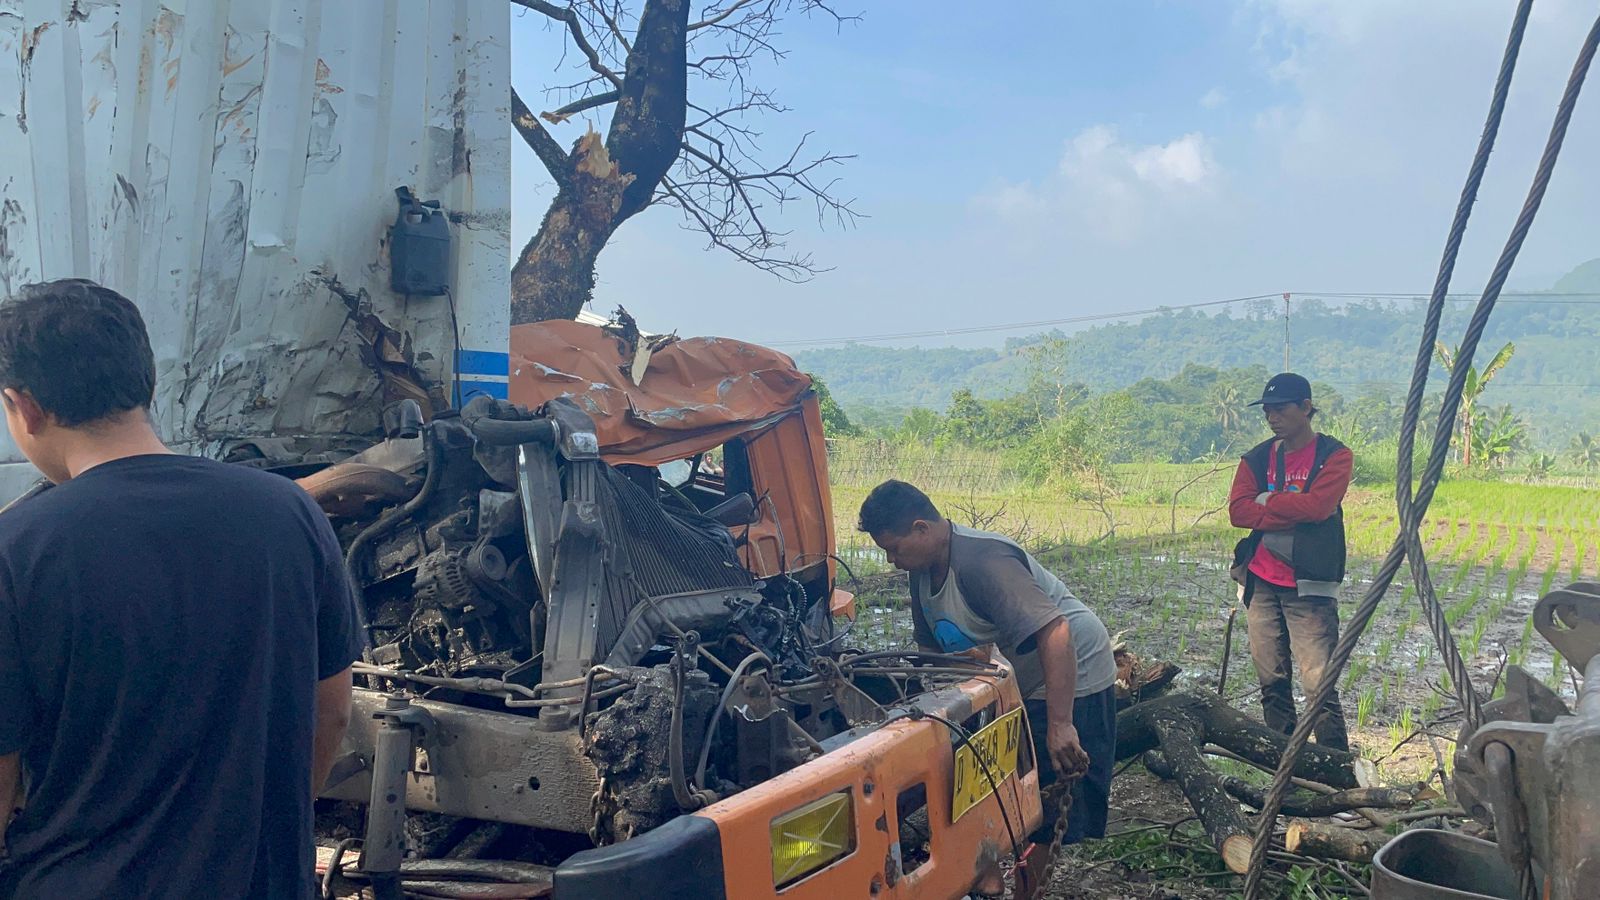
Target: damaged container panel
pixel 222 163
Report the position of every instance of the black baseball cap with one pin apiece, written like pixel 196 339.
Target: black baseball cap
pixel 1285 388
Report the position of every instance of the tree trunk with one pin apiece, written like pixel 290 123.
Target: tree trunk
pixel 554 276
pixel 1226 727
pixel 1332 842
pixel 1300 803
pixel 1228 830
pixel 1181 724
pixel 647 126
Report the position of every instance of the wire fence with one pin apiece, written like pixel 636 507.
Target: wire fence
pixel 867 462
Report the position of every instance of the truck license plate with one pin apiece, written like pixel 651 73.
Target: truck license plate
pixel 999 742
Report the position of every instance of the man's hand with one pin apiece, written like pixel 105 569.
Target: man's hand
pixel 1066 752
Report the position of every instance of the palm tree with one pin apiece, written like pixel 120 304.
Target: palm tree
pixel 1475 384
pixel 1586 450
pixel 1225 403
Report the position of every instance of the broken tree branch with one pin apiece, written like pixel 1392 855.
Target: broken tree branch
pixel 1310 806
pixel 1219 815
pixel 577 106
pixel 1224 726
pixel 569 16
pixel 1365 773
pixel 555 159
pixel 1181 724
pixel 1332 842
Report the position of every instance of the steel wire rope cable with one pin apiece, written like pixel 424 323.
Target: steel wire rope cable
pixel 1435 467
pixel 1409 518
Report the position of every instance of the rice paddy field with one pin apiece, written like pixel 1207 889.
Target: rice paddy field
pixel 1148 549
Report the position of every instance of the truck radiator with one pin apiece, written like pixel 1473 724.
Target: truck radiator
pixel 651 551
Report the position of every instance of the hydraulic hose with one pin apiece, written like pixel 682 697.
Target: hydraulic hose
pixel 355 557
pixel 722 704
pixel 689 799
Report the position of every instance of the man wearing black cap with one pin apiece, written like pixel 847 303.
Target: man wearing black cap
pixel 1288 492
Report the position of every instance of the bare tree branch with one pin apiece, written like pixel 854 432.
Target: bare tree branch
pixel 577 106
pixel 795 269
pixel 544 146
pixel 721 16
pixel 612 20
pixel 568 15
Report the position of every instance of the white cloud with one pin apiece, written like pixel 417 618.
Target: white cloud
pixel 1111 188
pixel 1372 115
pixel 1185 161
pixel 1213 98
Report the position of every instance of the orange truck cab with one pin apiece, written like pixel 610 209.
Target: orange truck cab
pixel 880 811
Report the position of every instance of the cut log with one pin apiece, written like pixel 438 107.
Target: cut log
pixel 1219 814
pixel 1181 724
pixel 1224 726
pixel 1300 803
pixel 1332 842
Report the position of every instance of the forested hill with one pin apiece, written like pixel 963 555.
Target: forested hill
pixel 1360 348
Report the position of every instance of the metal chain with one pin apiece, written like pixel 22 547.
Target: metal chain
pixel 598 825
pixel 1061 794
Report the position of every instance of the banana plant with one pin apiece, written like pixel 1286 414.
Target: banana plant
pixel 1475 384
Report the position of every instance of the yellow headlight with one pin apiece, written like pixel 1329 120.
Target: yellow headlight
pixel 811 837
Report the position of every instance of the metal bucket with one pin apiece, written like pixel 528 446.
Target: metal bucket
pixel 1426 864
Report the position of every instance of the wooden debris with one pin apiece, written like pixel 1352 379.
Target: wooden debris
pixel 1300 803
pixel 1138 680
pixel 1181 724
pixel 1320 841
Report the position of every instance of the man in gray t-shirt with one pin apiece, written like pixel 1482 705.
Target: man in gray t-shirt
pixel 971 589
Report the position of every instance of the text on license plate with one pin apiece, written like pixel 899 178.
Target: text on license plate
pixel 999 742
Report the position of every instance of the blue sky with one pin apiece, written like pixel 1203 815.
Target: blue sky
pixel 1018 161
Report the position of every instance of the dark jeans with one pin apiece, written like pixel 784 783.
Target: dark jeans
pixel 1095 717
pixel 1285 627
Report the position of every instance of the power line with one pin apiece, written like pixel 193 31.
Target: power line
pixel 1532 297
pixel 1497 384
pixel 1507 296
pixel 1013 326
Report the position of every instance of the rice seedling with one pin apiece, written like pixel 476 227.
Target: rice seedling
pixel 1547 581
pixel 1364 706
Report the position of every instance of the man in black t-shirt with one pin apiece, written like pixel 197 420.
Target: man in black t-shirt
pixel 175 635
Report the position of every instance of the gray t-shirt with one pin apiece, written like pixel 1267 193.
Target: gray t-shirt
pixel 997 593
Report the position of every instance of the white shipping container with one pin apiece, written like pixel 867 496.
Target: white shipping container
pixel 217 161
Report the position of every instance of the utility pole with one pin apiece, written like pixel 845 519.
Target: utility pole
pixel 1285 331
